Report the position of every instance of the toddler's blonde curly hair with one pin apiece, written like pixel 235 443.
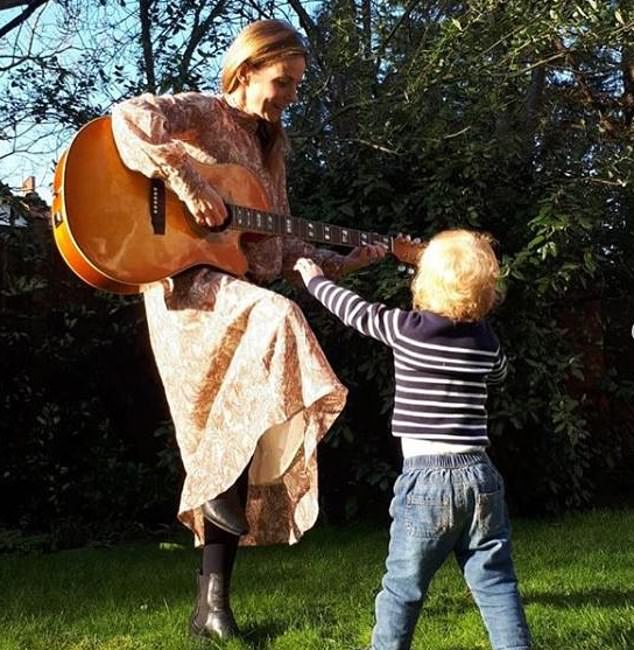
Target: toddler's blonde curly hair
pixel 457 275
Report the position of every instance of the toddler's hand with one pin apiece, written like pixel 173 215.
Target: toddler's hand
pixel 307 269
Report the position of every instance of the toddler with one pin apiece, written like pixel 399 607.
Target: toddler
pixel 449 496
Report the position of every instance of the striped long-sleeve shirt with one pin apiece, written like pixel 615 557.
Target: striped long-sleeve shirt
pixel 442 367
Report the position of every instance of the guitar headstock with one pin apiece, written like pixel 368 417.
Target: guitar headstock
pixel 407 250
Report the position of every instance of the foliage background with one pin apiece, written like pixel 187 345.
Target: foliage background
pixel 511 117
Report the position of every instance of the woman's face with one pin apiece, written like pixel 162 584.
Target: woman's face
pixel 270 89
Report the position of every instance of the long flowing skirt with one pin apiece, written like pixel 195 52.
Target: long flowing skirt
pixel 246 381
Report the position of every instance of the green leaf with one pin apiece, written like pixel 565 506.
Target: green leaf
pixel 456 23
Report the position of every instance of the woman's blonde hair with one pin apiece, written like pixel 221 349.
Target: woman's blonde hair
pixel 259 44
pixel 457 275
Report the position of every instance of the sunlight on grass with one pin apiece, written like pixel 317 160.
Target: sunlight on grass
pixel 576 576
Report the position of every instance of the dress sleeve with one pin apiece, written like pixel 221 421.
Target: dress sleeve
pixel 294 248
pixel 147 131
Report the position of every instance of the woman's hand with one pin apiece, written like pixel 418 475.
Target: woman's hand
pixel 307 269
pixel 207 207
pixel 363 256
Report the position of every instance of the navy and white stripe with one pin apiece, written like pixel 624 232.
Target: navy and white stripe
pixel 442 368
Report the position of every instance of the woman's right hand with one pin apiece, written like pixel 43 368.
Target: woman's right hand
pixel 207 207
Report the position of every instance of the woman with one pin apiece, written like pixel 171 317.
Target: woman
pixel 249 389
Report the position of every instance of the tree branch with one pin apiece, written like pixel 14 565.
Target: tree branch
pixel 19 19
pixel 628 86
pixel 312 32
pixel 146 42
pixel 366 15
pixel 198 32
pixel 410 7
pixel 11 4
pixel 586 92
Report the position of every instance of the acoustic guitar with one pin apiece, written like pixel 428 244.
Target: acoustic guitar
pixel 118 229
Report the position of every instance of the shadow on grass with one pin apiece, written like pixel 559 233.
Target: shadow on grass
pixel 258 637
pixel 599 597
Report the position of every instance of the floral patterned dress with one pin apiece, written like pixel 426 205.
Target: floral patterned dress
pixel 244 376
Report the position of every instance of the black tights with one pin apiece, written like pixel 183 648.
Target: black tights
pixel 219 551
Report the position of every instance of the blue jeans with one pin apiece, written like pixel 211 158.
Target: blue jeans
pixel 444 503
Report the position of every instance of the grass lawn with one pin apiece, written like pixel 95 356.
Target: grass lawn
pixel 576 576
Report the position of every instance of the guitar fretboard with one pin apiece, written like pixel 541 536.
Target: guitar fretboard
pixel 269 223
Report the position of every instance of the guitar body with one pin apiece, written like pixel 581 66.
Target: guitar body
pixel 102 217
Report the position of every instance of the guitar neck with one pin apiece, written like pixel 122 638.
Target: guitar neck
pixel 267 223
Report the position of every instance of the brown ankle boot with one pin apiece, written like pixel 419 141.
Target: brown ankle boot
pixel 212 616
pixel 226 512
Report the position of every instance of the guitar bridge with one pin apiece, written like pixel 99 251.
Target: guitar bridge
pixel 157 205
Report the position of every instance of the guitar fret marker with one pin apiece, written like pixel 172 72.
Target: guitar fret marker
pixel 251 219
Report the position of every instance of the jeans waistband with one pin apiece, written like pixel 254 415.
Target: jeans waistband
pixel 448 461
